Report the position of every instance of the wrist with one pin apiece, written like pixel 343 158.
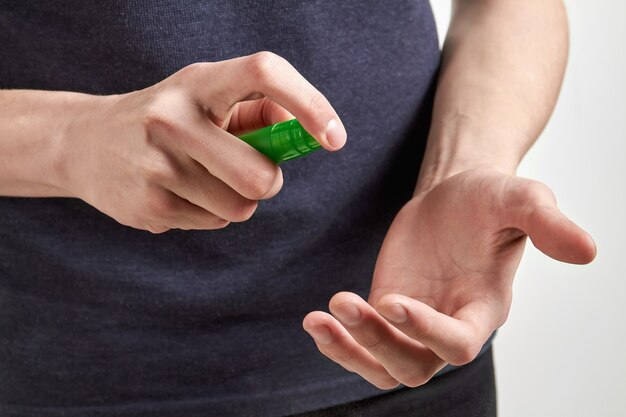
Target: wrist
pixel 32 130
pixel 82 116
pixel 431 174
pixel 457 148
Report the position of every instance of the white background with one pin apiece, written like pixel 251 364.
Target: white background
pixel 563 350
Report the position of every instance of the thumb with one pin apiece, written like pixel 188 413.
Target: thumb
pixel 537 215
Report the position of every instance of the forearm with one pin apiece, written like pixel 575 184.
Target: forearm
pixel 502 68
pixel 33 125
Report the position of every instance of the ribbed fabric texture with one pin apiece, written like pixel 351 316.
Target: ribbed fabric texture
pixel 100 319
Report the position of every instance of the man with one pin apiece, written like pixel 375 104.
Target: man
pixel 136 133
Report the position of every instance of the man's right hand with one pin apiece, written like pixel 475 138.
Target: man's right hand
pixel 166 157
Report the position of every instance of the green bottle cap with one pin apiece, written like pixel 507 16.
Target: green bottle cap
pixel 282 141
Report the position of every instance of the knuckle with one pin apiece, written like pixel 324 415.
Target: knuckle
pixel 159 167
pixel 161 205
pixel 539 192
pixel 155 120
pixel 262 66
pixel 157 229
pixel 156 116
pixel 241 210
pixel 465 354
pixel 502 317
pixel 216 223
pixel 259 182
pixel 245 211
pixel 276 185
pixel 529 193
pixel 160 113
pixel 344 357
pixel 386 383
pixel 426 327
pixel 191 70
pixel 317 103
pixel 370 342
pixel 221 224
pixel 416 379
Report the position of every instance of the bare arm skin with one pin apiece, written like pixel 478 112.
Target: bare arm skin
pixel 503 64
pixel 164 157
pixel 443 279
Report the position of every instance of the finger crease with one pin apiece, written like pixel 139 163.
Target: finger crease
pixel 371 345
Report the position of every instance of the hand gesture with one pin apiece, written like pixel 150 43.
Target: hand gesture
pixel 443 279
pixel 166 157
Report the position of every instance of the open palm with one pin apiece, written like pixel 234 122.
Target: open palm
pixel 444 276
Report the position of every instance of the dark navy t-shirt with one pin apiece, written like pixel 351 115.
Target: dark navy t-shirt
pixel 99 319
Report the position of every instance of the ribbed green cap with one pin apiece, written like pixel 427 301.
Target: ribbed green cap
pixel 282 141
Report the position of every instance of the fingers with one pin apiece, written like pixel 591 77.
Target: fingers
pixel 220 85
pixel 256 114
pixel 191 217
pixel 167 211
pixel 420 344
pixel 405 359
pixel 233 176
pixel 202 189
pixel 456 340
pixel 237 164
pixel 218 177
pixel 335 342
pixel 534 211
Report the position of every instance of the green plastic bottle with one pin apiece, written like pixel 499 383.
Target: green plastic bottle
pixel 282 141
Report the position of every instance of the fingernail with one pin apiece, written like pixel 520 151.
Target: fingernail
pixel 321 334
pixel 395 313
pixel 335 134
pixel 348 313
